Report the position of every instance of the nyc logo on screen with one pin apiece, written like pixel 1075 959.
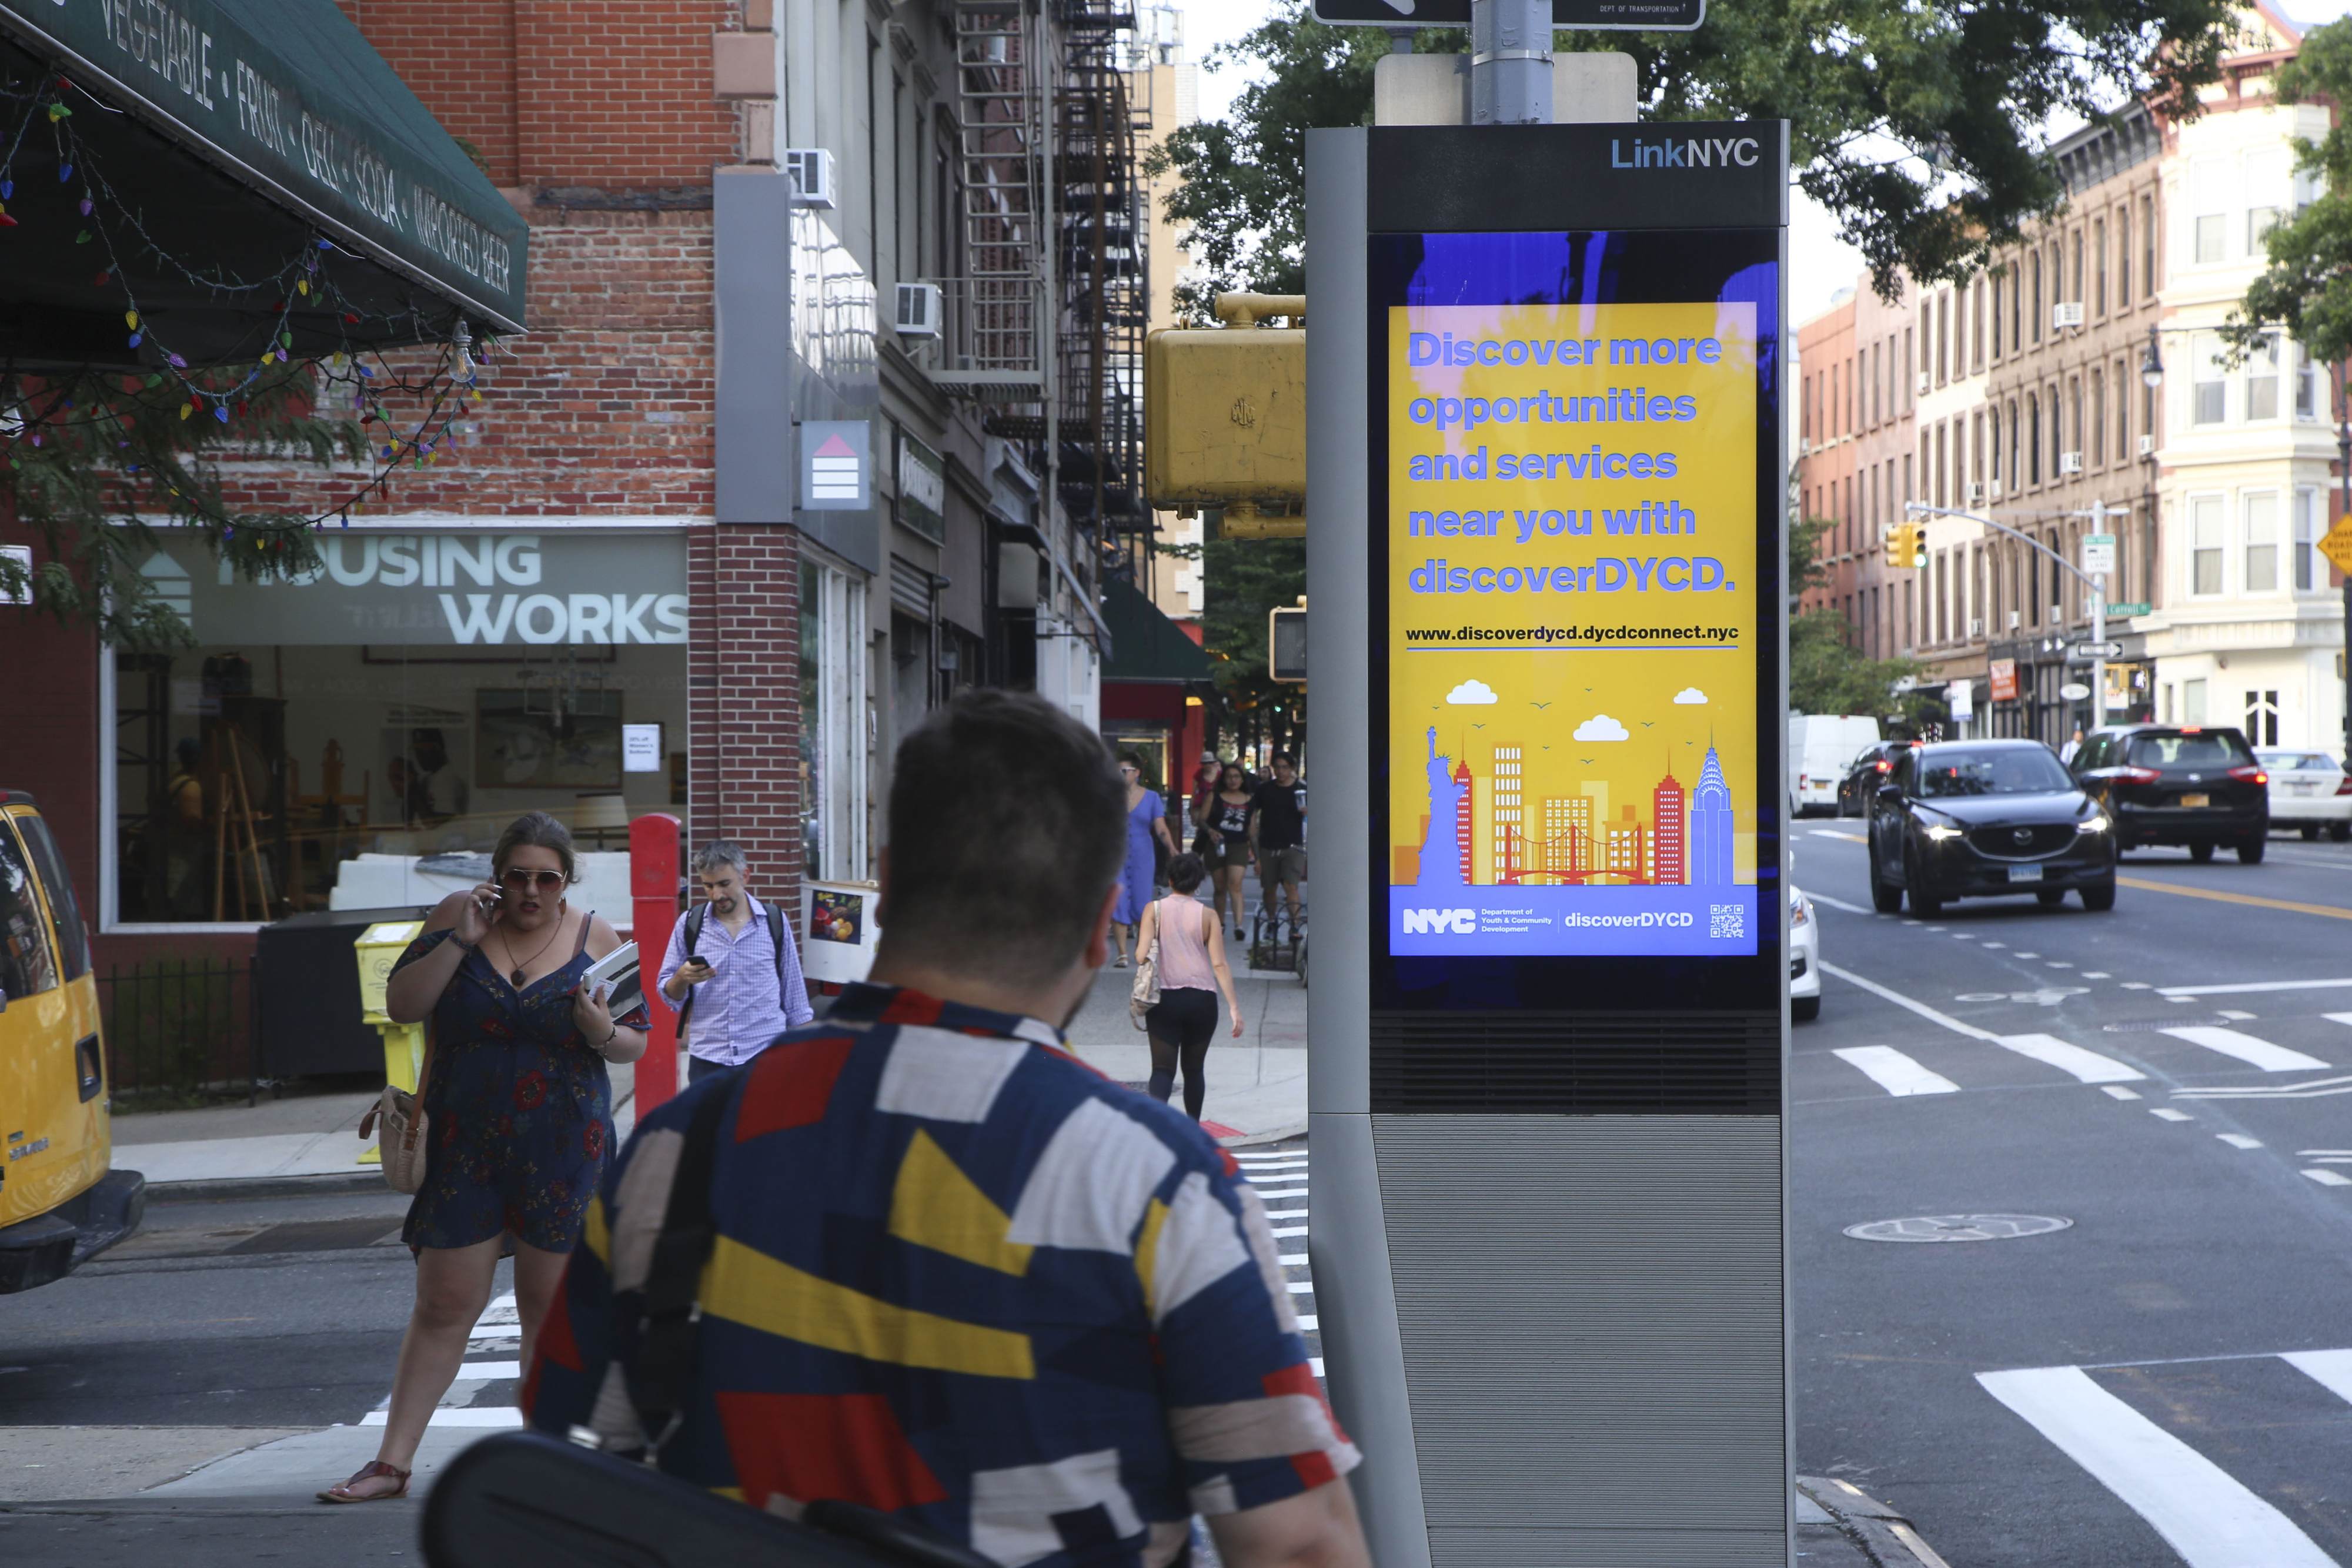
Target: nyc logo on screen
pixel 1423 921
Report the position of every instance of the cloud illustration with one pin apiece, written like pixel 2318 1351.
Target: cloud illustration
pixel 1475 692
pixel 1690 697
pixel 1600 727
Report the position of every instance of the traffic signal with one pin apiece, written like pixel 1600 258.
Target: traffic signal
pixel 1224 413
pixel 1906 543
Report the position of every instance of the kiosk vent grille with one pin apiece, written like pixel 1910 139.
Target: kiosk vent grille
pixel 1576 1062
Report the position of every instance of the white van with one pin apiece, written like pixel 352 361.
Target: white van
pixel 1822 747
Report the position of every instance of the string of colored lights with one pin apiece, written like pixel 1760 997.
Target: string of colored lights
pixel 301 282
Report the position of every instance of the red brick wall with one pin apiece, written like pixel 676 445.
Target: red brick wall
pixel 49 717
pixel 744 694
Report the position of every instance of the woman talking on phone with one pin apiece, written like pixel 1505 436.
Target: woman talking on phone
pixel 519 1114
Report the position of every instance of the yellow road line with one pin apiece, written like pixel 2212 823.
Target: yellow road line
pixel 2331 911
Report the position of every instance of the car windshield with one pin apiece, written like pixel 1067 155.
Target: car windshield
pixel 2012 771
pixel 2185 751
pixel 2300 761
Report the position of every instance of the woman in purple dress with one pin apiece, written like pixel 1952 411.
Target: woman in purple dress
pixel 1146 818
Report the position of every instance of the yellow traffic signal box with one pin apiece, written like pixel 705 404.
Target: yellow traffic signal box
pixel 1905 542
pixel 1224 418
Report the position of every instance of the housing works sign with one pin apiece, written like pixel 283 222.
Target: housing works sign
pixel 450 588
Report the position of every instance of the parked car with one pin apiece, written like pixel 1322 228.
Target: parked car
pixel 2178 784
pixel 1820 746
pixel 2308 791
pixel 1864 774
pixel 60 1202
pixel 1981 817
pixel 1804 958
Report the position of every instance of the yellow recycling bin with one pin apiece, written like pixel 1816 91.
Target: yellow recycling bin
pixel 379 948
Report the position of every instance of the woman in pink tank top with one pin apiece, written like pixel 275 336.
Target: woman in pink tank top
pixel 1193 972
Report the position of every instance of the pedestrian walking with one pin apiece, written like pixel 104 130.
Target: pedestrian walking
pixel 519 1114
pixel 1204 791
pixel 1229 847
pixel 732 970
pixel 1147 836
pixel 1278 833
pixel 2074 745
pixel 957 1275
pixel 1192 975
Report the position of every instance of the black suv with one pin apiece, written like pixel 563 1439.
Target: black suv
pixel 2178 784
pixel 1865 774
pixel 1973 818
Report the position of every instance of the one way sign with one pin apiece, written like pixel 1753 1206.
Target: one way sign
pixel 1590 15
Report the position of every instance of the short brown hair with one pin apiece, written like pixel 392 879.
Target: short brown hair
pixel 538 831
pixel 1007 826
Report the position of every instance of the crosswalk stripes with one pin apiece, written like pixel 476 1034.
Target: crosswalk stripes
pixel 498 1329
pixel 2085 1066
pixel 2211 1517
pixel 1896 1073
pixel 2247 1049
pixel 1281 1174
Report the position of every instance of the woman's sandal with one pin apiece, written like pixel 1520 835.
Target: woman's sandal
pixel 367 1472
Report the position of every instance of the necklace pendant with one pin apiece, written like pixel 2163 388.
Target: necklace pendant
pixel 516 978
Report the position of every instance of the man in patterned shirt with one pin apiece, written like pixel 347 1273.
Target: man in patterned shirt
pixel 959 1274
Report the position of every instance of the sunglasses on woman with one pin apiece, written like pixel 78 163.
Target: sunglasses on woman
pixel 521 880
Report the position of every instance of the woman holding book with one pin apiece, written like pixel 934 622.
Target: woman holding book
pixel 519 1114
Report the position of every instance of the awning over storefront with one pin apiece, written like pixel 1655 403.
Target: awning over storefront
pixel 1147 646
pixel 204 148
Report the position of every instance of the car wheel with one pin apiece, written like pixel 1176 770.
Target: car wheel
pixel 2339 831
pixel 1924 902
pixel 2310 832
pixel 2051 897
pixel 2100 899
pixel 2250 848
pixel 1804 1009
pixel 2201 853
pixel 1884 897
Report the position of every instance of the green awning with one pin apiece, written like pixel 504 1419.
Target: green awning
pixel 1145 645
pixel 242 130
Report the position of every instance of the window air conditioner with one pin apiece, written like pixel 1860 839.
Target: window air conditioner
pixel 811 168
pixel 2070 462
pixel 1923 381
pixel 919 311
pixel 1976 625
pixel 2066 315
pixel 1976 492
pixel 2013 620
pixel 1993 489
pixel 2147 446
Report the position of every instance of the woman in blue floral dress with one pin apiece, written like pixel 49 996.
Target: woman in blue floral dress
pixel 519 1114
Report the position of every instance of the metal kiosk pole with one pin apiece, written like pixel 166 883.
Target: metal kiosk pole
pixel 1549 1022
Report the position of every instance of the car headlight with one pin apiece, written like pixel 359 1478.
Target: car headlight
pixel 1939 832
pixel 2097 822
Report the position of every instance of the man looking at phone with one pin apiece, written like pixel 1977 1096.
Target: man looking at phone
pixel 732 970
pixel 958 1275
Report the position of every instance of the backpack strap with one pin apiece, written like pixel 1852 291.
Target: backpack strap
pixel 661 1377
pixel 693 939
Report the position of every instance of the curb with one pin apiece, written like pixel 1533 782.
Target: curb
pixel 329 1182
pixel 1885 1536
pixel 1275 1135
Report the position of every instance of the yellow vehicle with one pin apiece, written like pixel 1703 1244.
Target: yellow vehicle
pixel 60 1203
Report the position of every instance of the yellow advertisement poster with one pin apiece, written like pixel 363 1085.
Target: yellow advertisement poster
pixel 1573 620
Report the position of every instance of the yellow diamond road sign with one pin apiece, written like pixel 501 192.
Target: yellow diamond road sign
pixel 2338 546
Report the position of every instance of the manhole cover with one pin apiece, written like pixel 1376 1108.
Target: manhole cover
pixel 1958 1228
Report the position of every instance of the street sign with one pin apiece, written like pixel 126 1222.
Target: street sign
pixel 2092 653
pixel 2074 690
pixel 2098 554
pixel 1960 696
pixel 1584 15
pixel 2135 608
pixel 2338 546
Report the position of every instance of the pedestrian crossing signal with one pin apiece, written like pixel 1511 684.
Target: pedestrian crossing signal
pixel 1906 543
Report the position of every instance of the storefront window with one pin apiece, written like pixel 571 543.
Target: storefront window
pixel 357 739
pixel 834 723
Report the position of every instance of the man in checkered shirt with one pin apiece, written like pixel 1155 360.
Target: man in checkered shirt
pixel 959 1274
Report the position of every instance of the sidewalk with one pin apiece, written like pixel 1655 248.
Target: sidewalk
pixel 1257 1084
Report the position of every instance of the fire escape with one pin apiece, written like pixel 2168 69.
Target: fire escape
pixel 1044 320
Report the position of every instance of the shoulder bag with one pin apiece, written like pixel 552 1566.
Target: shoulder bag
pixel 401 1125
pixel 1145 995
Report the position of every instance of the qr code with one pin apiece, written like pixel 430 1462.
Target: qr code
pixel 1727 920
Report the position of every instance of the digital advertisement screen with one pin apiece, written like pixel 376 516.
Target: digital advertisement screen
pixel 1574 599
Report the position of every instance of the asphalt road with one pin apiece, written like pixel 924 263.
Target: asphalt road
pixel 2168 1378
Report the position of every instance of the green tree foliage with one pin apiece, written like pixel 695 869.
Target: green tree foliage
pixel 92 463
pixel 1827 674
pixel 1916 124
pixel 2307 287
pixel 1245 579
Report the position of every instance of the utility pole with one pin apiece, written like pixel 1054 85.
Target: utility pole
pixel 1510 62
pixel 2343 471
pixel 2099 624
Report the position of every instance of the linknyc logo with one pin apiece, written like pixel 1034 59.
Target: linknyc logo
pixel 1428 922
pixel 1686 152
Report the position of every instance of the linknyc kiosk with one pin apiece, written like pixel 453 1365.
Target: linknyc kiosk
pixel 1550 1010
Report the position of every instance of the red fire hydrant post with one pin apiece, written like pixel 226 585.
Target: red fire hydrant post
pixel 653 887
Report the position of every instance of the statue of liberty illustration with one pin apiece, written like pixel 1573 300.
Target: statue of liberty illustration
pixel 1441 848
